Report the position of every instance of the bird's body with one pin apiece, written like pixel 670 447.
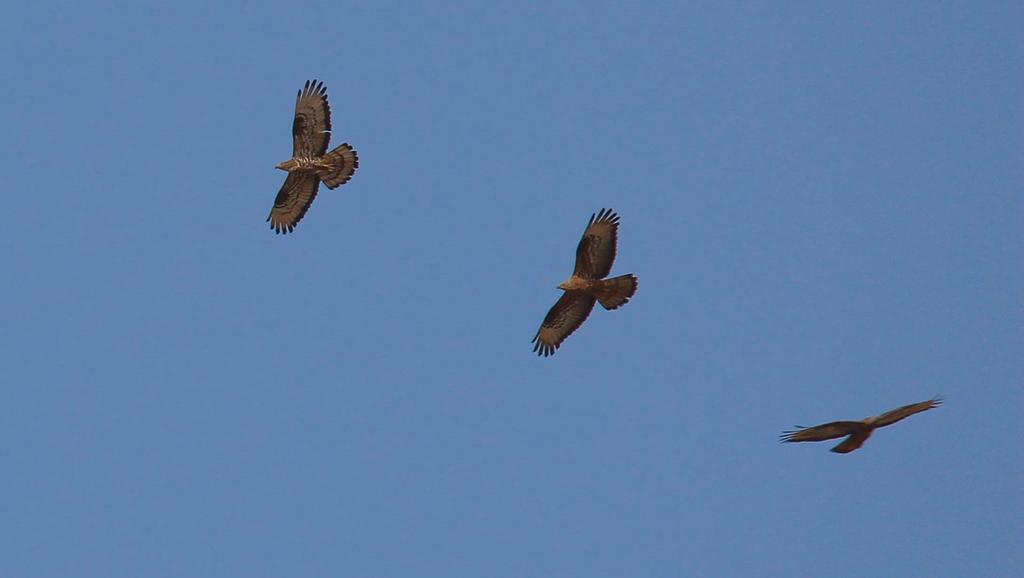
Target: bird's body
pixel 575 283
pixel 294 164
pixel 856 432
pixel 587 285
pixel 310 164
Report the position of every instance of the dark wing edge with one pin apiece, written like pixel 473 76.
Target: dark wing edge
pixel 827 431
pixel 891 417
pixel 311 129
pixel 596 251
pixel 565 317
pixel 293 200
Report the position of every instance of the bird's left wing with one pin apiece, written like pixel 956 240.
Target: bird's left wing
pixel 596 251
pixel 891 417
pixel 311 129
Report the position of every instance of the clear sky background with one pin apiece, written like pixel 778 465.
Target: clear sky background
pixel 822 203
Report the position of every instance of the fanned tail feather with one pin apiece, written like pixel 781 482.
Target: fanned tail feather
pixel 615 292
pixel 343 162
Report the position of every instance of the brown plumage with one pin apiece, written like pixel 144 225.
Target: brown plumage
pixel 310 163
pixel 587 285
pixel 858 431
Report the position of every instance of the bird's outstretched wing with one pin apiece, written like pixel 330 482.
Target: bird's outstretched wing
pixel 311 130
pixel 568 313
pixel 293 200
pixel 596 251
pixel 891 417
pixel 828 431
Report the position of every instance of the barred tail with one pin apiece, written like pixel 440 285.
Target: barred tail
pixel 615 292
pixel 342 163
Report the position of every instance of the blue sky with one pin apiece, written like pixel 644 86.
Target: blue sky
pixel 822 203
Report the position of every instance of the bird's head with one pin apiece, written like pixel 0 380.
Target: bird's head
pixel 573 283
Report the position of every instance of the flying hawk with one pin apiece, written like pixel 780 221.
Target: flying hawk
pixel 858 431
pixel 594 257
pixel 311 132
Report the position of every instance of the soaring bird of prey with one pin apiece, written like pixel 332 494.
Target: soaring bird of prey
pixel 594 257
pixel 311 131
pixel 858 431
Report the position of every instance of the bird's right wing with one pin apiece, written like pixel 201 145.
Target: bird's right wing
pixel 568 313
pixel 293 200
pixel 828 431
